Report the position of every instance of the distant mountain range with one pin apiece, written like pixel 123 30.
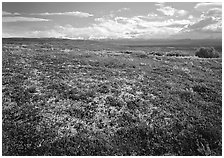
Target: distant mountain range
pixel 131 42
pixel 160 42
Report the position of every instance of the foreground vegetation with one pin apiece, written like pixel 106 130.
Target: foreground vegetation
pixel 60 100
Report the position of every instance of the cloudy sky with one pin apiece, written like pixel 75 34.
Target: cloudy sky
pixel 98 20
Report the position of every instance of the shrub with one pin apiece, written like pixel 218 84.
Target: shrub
pixel 140 54
pixel 176 54
pixel 126 52
pixel 206 52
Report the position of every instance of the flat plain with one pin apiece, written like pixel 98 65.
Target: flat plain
pixel 74 97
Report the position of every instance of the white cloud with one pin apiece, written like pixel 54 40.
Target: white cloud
pixel 182 12
pixel 118 27
pixel 217 27
pixel 169 11
pixel 4 13
pixel 152 15
pixel 48 33
pixel 22 19
pixel 93 31
pixel 76 13
pixel 207 5
pixel 160 4
pixel 123 9
pixel 124 27
pixel 190 17
pixel 34 34
pixel 99 19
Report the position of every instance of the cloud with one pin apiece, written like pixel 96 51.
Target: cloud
pixel 34 34
pixel 206 25
pixel 169 11
pixel 22 19
pixel 214 12
pixel 141 26
pixel 76 13
pixel 202 23
pixel 124 27
pixel 110 28
pixel 113 13
pixel 123 9
pixel 210 21
pixel 207 5
pixel 4 13
pixel 213 28
pixel 91 32
pixel 190 17
pixel 160 4
pixel 47 33
pixel 182 12
pixel 152 15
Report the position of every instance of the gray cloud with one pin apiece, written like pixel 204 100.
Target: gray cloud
pixel 214 12
pixel 4 13
pixel 206 25
pixel 202 23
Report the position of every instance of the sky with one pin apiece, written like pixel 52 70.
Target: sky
pixel 112 20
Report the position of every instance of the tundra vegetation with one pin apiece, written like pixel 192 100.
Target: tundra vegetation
pixel 62 97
